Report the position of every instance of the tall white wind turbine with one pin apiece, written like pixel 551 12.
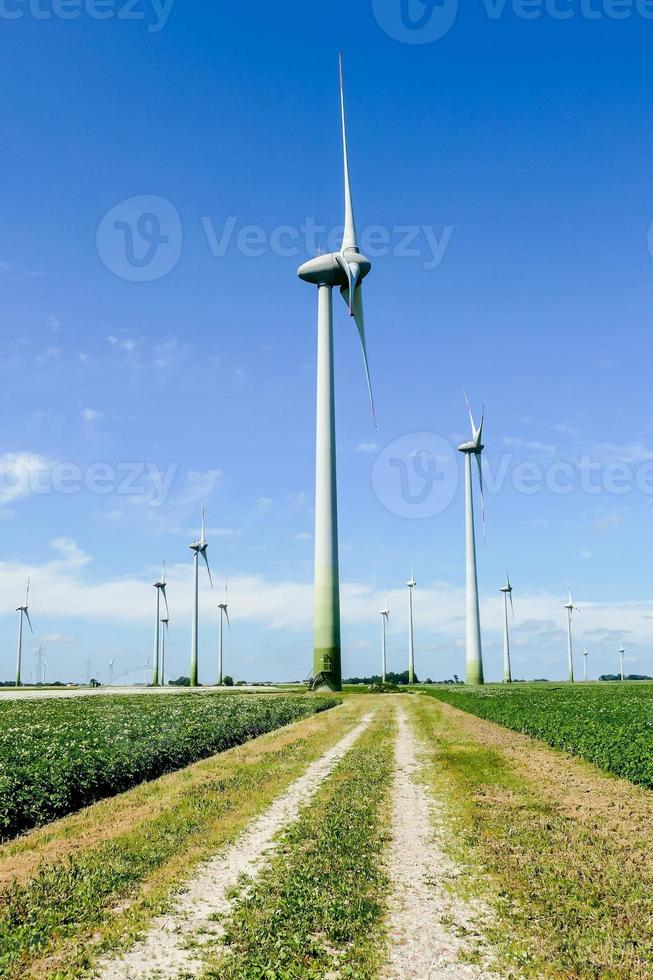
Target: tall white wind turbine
pixel 385 616
pixel 224 614
pixel 586 654
pixel 507 596
pixel 571 609
pixel 411 635
pixel 622 653
pixel 24 613
pixel 346 270
pixel 198 548
pixel 160 587
pixel 474 649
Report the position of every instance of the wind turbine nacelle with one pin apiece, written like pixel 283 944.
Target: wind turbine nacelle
pixel 325 270
pixel 472 448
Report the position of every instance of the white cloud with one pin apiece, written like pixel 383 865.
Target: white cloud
pixel 91 415
pixel 631 452
pixel 530 445
pixel 368 447
pixel 21 474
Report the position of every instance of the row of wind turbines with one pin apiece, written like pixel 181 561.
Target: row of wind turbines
pixel 161 622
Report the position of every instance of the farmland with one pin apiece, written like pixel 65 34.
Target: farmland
pixel 82 750
pixel 609 725
pixel 312 849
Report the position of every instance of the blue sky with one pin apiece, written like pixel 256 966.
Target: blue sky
pixel 513 153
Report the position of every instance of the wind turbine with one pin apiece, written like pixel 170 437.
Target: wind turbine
pixel 165 620
pixel 411 643
pixel 507 595
pixel 24 612
pixel 586 654
pixel 111 663
pixel 474 650
pixel 160 591
pixel 345 269
pixel 198 548
pixel 385 616
pixel 571 609
pixel 622 651
pixel 224 614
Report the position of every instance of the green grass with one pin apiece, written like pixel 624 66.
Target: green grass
pixel 317 910
pixel 570 900
pixel 61 754
pixel 610 725
pixel 95 879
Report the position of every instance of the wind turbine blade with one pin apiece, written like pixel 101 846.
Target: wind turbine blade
pixel 359 317
pixel 165 598
pixel 471 415
pixel 28 620
pixel 480 480
pixel 226 612
pixel 512 606
pixel 349 236
pixel 352 271
pixel 202 538
pixel 206 560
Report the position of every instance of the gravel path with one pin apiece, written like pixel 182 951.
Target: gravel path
pixel 429 928
pixel 172 947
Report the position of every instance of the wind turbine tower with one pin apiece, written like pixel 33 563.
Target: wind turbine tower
pixel 24 612
pixel 586 654
pixel 571 609
pixel 164 622
pixel 224 614
pixel 160 591
pixel 385 616
pixel 474 448
pixel 507 596
pixel 198 548
pixel 622 652
pixel 346 270
pixel 411 637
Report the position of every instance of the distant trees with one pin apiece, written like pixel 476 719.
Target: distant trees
pixel 227 681
pixel 630 677
pixel 180 682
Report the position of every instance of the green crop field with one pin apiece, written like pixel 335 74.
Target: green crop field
pixel 59 755
pixel 610 725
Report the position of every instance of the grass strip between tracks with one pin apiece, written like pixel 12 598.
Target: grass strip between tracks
pixel 92 882
pixel 558 848
pixel 317 910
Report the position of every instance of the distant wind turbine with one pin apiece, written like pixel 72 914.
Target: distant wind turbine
pixel 198 548
pixel 507 595
pixel 24 612
pixel 586 654
pixel 385 616
pixel 160 587
pixel 411 637
pixel 474 650
pixel 345 269
pixel 571 609
pixel 622 651
pixel 111 663
pixel 224 614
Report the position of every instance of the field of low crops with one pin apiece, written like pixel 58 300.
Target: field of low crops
pixel 610 725
pixel 59 755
